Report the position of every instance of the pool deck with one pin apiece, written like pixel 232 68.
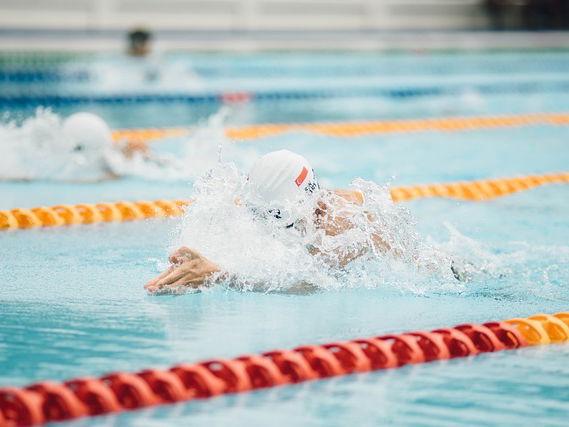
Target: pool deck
pixel 372 40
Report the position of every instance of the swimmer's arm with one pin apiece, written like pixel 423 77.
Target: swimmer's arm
pixel 131 147
pixel 340 223
pixel 191 270
pixel 298 288
pixel 188 269
pixel 339 258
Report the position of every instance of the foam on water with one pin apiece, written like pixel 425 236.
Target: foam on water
pixel 261 253
pixel 39 149
pixel 125 75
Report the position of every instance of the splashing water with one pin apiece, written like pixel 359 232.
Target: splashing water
pixel 34 150
pixel 151 74
pixel 261 253
pixel 38 149
pixel 513 269
pixel 209 144
pixel 199 153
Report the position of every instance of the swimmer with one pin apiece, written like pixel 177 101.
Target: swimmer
pixel 79 148
pixel 282 181
pixel 139 42
pixel 91 141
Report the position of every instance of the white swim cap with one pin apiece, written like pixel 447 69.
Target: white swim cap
pixel 87 131
pixel 282 178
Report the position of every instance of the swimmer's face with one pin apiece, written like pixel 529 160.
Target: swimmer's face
pixel 78 148
pixel 139 49
pixel 287 214
pixel 89 146
pixel 86 134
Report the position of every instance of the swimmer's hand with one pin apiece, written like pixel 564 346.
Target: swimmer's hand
pixel 131 147
pixel 188 269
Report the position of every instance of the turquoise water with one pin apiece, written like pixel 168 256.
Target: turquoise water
pixel 72 302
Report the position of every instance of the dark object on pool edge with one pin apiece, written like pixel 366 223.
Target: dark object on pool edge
pixel 49 401
pixel 528 14
pixel 139 42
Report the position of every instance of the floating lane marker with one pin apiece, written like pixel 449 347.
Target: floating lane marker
pixel 478 190
pixel 49 401
pixel 89 213
pixel 355 129
pixel 147 135
pixel 518 88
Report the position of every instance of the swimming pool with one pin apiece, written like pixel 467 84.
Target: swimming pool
pixel 72 301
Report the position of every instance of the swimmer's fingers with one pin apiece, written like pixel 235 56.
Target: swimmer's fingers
pixel 177 273
pixel 193 272
pixel 176 282
pixel 161 284
pixel 152 289
pixel 183 254
pixel 173 273
pixel 153 282
pixel 188 282
pixel 192 254
pixel 188 270
pixel 179 255
pixel 166 290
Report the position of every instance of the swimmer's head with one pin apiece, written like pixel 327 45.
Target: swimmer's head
pixel 282 180
pixel 139 42
pixel 87 132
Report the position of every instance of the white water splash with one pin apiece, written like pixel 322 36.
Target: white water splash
pixel 38 149
pixel 209 145
pixel 512 268
pixel 150 74
pixel 260 253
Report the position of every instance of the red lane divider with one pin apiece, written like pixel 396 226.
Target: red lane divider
pixel 121 391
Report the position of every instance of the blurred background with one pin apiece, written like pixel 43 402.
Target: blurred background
pixel 411 91
pixel 284 24
pixel 177 63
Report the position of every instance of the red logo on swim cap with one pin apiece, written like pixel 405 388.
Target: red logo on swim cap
pixel 300 178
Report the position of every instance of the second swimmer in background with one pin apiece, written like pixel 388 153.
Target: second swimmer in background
pixel 78 149
pixel 282 182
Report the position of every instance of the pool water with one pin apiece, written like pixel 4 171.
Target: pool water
pixel 72 301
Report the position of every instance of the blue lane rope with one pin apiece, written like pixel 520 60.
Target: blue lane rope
pixel 31 75
pixel 39 76
pixel 36 69
pixel 16 100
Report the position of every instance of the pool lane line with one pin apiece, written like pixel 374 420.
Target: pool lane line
pixel 124 211
pixel 357 129
pixel 49 401
pixel 27 70
pixel 18 99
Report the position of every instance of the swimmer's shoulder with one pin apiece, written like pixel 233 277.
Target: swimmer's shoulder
pixel 343 199
pixel 353 196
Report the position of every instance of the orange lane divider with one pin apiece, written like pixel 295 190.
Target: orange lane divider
pixel 478 190
pixel 354 129
pixel 87 213
pixel 144 135
pixel 49 401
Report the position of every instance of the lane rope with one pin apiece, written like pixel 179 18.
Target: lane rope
pixel 49 401
pixel 31 70
pixel 355 129
pixel 19 99
pixel 123 211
